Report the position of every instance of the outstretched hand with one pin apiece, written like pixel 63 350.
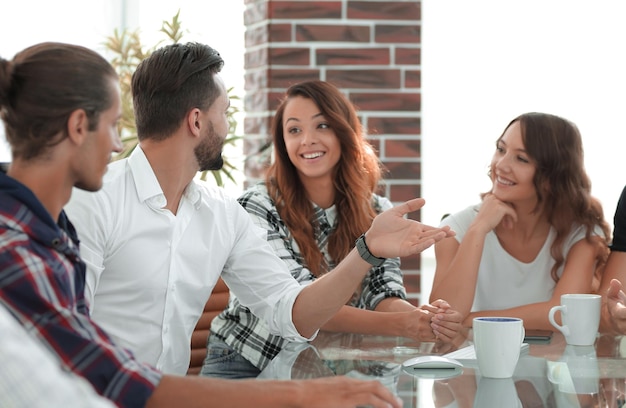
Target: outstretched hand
pixel 616 305
pixel 392 235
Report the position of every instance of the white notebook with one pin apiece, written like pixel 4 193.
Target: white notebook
pixel 467 355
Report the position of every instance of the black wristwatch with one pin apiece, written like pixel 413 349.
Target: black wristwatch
pixel 365 253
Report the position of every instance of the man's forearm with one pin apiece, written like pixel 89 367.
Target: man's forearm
pixel 320 300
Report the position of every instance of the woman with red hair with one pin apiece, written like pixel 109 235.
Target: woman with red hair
pixel 317 199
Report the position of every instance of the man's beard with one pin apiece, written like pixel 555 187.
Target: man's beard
pixel 209 152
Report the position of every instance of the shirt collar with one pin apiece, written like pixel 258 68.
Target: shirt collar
pixel 148 187
pixel 192 193
pixel 325 217
pixel 41 227
pixel 331 215
pixel 22 194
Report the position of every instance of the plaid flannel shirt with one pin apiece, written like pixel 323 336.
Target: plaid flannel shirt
pixel 249 335
pixel 42 280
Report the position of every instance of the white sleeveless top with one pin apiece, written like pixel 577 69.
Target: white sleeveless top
pixel 505 282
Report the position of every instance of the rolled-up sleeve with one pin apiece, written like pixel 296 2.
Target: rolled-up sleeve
pixel 260 279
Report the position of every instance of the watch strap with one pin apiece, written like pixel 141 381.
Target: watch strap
pixel 365 253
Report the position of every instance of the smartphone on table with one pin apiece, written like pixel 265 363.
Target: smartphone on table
pixel 537 336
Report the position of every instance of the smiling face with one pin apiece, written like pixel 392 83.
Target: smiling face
pixel 312 146
pixel 512 169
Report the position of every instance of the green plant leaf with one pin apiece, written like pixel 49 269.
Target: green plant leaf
pixel 127 51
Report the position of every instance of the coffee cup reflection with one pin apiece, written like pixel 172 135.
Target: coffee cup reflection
pixel 496 392
pixel 576 375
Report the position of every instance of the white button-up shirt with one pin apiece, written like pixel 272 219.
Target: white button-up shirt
pixel 150 272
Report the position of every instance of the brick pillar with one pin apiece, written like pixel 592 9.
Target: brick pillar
pixel 369 49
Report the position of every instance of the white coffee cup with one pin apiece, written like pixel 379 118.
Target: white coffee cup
pixel 497 341
pixel 580 315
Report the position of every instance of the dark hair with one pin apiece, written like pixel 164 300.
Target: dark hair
pixel 169 83
pixel 357 175
pixel 42 86
pixel 555 146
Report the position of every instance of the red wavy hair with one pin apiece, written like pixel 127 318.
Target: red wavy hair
pixel 356 177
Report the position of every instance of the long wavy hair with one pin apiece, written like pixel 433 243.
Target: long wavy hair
pixel 356 177
pixel 555 145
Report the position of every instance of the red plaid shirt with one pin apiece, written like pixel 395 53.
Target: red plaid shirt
pixel 42 279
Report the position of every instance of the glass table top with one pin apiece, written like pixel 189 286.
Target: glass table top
pixel 550 374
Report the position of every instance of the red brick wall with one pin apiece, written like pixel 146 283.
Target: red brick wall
pixel 371 50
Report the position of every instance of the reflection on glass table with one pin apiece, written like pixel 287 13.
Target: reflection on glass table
pixel 551 374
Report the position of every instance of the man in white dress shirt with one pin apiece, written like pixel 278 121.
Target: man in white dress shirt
pixel 156 240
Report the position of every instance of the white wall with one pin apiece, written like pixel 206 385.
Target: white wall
pixel 27 22
pixel 486 61
pixel 216 23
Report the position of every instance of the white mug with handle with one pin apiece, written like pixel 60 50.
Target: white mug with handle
pixel 580 315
